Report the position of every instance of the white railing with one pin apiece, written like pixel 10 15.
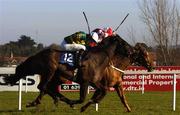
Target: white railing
pixel 11 70
pixel 159 72
pixel 7 70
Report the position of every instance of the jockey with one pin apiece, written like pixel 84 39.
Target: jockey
pixel 78 41
pixel 82 41
pixel 99 34
pixel 75 41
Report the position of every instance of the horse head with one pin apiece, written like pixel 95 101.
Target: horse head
pixel 142 57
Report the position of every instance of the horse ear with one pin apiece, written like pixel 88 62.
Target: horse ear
pixel 141 47
pixel 146 53
pixel 137 46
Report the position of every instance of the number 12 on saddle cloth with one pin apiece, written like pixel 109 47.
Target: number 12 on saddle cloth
pixel 67 58
pixel 70 58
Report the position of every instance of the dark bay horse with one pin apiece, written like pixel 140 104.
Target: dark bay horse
pixel 111 77
pixel 106 50
pixel 45 63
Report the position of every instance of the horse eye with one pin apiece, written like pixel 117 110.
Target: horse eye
pixel 145 53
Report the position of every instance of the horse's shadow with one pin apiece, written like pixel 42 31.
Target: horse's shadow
pixel 23 111
pixel 10 111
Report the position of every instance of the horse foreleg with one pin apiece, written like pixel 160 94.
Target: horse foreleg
pixel 120 92
pixel 99 94
pixel 63 98
pixel 56 95
pixel 83 93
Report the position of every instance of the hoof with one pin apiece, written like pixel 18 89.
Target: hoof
pixel 56 104
pixel 128 110
pixel 83 109
pixel 73 107
pixel 30 105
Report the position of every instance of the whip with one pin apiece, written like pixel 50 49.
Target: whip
pixel 121 23
pixel 87 22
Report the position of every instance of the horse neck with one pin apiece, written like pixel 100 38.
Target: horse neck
pixel 121 62
pixel 126 49
pixel 100 56
pixel 110 50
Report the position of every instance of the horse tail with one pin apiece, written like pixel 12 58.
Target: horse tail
pixel 11 80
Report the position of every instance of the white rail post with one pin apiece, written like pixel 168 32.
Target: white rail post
pixel 143 84
pixel 26 84
pixel 20 97
pixel 174 92
pixel 88 90
pixel 96 106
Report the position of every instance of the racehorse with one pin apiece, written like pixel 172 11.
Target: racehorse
pixel 112 77
pixel 94 62
pixel 113 74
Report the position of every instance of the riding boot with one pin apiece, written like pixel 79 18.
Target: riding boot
pixel 77 62
pixel 79 57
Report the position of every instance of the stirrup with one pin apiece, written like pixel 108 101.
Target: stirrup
pixel 75 74
pixel 75 71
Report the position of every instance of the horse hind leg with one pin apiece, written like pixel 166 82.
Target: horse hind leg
pixel 50 90
pixel 37 101
pixel 45 79
pixel 120 92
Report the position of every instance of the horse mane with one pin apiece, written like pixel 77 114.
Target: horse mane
pixel 141 46
pixel 125 48
pixel 103 51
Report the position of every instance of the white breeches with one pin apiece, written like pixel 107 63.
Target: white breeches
pixel 72 47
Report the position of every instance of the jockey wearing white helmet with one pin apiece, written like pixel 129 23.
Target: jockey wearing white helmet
pixel 99 34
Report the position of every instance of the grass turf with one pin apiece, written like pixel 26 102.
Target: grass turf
pixel 150 103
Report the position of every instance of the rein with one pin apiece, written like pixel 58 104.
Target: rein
pixel 117 69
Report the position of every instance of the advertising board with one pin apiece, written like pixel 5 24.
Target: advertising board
pixel 131 82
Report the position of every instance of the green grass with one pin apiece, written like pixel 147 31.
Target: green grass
pixel 151 103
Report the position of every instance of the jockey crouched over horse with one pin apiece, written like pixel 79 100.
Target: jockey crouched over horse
pixel 80 41
pixel 95 69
